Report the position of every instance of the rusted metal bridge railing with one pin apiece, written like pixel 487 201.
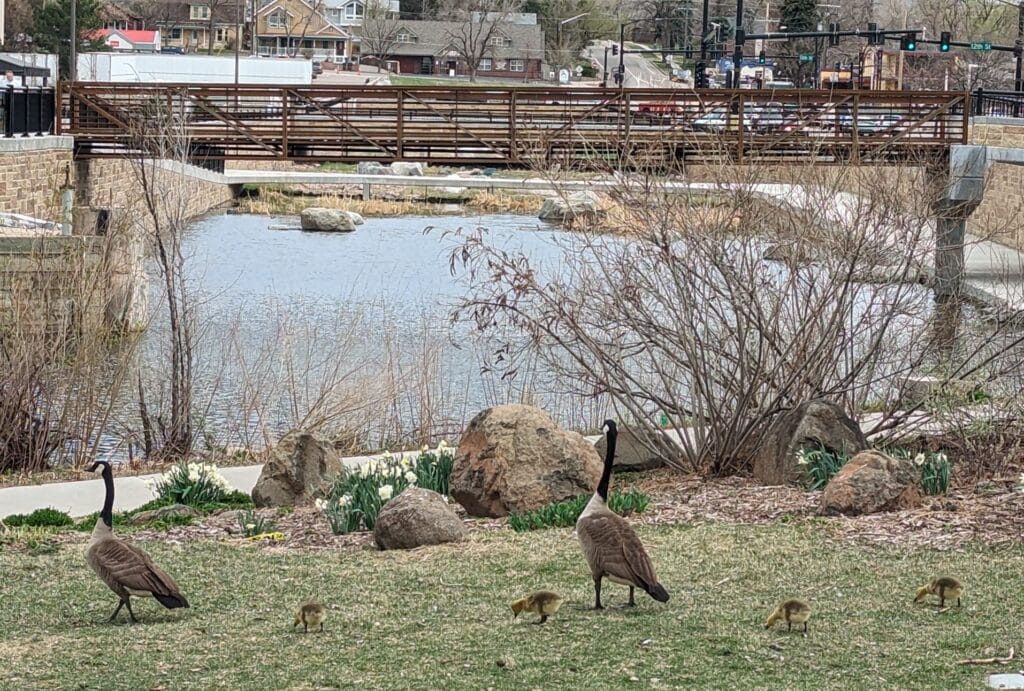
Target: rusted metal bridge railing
pixel 515 126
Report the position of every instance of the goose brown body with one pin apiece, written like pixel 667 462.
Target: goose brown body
pixel 125 568
pixel 792 612
pixel 610 544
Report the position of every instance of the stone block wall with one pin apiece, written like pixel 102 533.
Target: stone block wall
pixel 32 172
pixel 1000 216
pixel 1007 132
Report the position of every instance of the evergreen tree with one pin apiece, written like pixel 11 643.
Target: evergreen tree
pixel 799 15
pixel 51 29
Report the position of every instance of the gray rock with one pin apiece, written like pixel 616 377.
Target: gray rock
pixel 872 482
pixel 172 511
pixel 356 218
pixel 300 469
pixel 514 458
pixel 578 207
pixel 321 219
pixel 415 518
pixel 372 168
pixel 630 452
pixel 811 424
pixel 407 168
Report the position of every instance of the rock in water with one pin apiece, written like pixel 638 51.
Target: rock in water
pixel 300 468
pixel 415 518
pixel 406 168
pixel 372 168
pixel 812 424
pixel 514 458
pixel 578 207
pixel 872 482
pixel 319 218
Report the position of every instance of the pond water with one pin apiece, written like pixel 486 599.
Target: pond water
pixel 282 313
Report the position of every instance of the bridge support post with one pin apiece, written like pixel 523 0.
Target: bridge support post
pixel 958 190
pixel 366 192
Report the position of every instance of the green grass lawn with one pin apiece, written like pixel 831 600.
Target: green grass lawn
pixel 439 617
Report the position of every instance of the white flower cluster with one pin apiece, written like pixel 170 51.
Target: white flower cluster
pixel 801 457
pixel 385 492
pixel 195 472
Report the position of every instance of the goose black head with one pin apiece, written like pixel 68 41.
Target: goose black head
pixel 609 427
pixel 98 467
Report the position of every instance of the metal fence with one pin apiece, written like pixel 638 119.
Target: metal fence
pixel 998 104
pixel 27 111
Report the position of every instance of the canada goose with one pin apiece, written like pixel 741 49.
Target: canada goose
pixel 310 614
pixel 946 588
pixel 124 567
pixel 791 612
pixel 612 548
pixel 543 602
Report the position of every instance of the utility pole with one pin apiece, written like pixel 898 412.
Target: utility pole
pixel 1018 82
pixel 704 31
pixel 737 56
pixel 73 66
pixel 238 44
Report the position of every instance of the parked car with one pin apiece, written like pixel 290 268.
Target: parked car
pixel 889 123
pixel 768 117
pixel 318 68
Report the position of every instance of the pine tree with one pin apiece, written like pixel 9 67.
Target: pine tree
pixel 799 15
pixel 51 29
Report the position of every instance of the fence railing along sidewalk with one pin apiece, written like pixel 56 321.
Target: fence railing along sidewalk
pixel 27 111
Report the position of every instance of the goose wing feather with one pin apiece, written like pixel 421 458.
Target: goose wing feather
pixel 614 549
pixel 131 568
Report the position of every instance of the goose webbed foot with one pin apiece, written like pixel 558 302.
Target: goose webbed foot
pixel 113 616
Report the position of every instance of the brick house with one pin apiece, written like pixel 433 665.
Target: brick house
pixel 428 47
pixel 300 28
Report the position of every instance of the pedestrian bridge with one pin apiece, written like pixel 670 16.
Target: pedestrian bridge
pixel 527 126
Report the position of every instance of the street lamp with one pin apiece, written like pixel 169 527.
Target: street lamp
pixel 558 37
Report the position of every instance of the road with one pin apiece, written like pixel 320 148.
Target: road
pixel 640 73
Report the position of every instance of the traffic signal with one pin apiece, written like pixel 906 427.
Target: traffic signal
pixel 833 39
pixel 700 77
pixel 874 39
pixel 615 49
pixel 761 58
pixel 944 38
pixel 908 42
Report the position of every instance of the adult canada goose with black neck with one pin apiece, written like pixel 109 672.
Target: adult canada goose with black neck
pixel 125 568
pixel 610 545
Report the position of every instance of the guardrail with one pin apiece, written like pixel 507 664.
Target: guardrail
pixel 998 104
pixel 520 125
pixel 27 111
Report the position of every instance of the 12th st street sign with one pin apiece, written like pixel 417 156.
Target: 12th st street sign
pixel 981 46
pixel 806 57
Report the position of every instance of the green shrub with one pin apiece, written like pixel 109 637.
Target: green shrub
pixel 358 495
pixel 40 518
pixel 193 484
pixel 564 514
pixel 936 470
pixel 821 465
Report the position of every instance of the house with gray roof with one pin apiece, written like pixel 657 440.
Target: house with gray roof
pixel 432 48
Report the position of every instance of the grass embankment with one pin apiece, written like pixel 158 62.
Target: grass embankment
pixel 439 618
pixel 278 202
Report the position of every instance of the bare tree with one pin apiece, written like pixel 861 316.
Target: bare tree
pixel 719 316
pixel 297 30
pixel 479 24
pixel 379 32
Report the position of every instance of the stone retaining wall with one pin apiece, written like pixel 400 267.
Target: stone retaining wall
pixel 32 171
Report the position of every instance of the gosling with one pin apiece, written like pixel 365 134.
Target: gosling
pixel 946 588
pixel 543 602
pixel 792 612
pixel 310 614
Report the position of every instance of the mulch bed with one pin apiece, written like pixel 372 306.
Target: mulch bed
pixel 992 515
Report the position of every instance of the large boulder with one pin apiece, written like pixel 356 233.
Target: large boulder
pixel 631 454
pixel 407 168
pixel 812 424
pixel 871 482
pixel 574 208
pixel 334 220
pixel 415 518
pixel 372 168
pixel 300 469
pixel 163 513
pixel 514 458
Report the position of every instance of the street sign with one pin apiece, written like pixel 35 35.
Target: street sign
pixel 806 57
pixel 981 46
